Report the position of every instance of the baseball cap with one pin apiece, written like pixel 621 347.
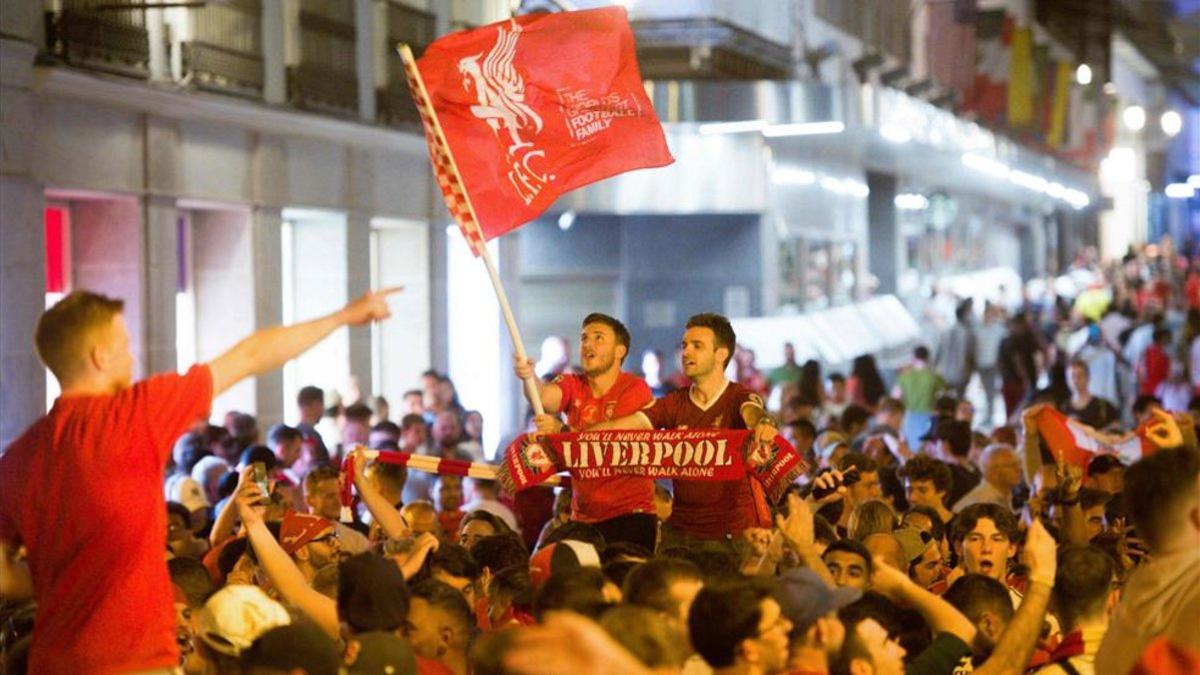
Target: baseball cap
pixel 299 529
pixel 559 556
pixel 1102 464
pixel 186 491
pixel 914 542
pixel 235 616
pixel 372 594
pixel 829 441
pixel 381 652
pixel 297 646
pixel 804 598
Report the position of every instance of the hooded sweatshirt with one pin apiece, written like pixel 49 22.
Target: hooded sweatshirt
pixel 1161 598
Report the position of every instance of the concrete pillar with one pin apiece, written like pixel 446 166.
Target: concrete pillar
pixel 274 57
pixel 884 241
pixel 358 281
pixel 268 305
pixel 22 235
pixel 439 292
pixel 512 402
pixel 364 56
pixel 160 236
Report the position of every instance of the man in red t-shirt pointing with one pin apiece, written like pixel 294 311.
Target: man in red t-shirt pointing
pixel 96 549
pixel 621 507
pixel 707 510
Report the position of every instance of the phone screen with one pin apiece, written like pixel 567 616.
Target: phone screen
pixel 260 478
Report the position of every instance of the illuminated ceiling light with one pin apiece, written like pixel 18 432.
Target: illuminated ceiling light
pixel 1028 180
pixel 1171 122
pixel 1179 191
pixel 1083 74
pixel 1194 181
pixel 566 220
pixel 713 128
pixel 803 129
pixel 986 165
pixel 1134 118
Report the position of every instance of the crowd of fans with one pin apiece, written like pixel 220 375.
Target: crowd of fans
pixel 924 538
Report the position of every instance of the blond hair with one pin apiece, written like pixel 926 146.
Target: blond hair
pixel 65 332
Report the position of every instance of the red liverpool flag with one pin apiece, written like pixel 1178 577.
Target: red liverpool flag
pixel 522 111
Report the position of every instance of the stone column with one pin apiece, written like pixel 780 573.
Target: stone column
pixel 265 227
pixel 358 281
pixel 884 242
pixel 160 252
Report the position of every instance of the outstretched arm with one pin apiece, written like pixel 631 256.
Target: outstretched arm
pixel 267 349
pixel 383 511
pixel 284 575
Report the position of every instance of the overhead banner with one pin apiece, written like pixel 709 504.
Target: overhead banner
pixel 688 454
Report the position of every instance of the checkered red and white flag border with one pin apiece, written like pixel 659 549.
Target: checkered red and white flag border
pixel 444 168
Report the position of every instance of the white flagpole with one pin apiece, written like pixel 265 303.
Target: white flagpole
pixel 480 245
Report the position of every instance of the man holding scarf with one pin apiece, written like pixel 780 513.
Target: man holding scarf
pixel 620 506
pixel 705 510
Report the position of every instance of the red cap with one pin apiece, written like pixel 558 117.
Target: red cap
pixel 298 529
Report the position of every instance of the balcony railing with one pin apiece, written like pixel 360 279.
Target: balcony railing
pixel 707 48
pixel 104 37
pixel 325 80
pixel 225 50
pixel 415 28
pixel 884 24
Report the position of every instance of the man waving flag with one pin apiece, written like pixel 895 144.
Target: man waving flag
pixel 522 111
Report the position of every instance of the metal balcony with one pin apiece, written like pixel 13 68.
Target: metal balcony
pixel 108 38
pixel 225 52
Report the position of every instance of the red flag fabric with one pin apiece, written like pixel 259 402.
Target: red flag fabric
pixel 1069 440
pixel 530 108
pixel 690 454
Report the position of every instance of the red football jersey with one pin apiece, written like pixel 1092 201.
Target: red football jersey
pixel 712 509
pixel 596 499
pixel 82 489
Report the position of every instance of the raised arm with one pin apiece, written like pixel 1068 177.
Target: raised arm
pixel 941 616
pixel 550 393
pixel 223 528
pixel 383 511
pixel 267 349
pixel 798 534
pixel 284 575
pixel 1016 644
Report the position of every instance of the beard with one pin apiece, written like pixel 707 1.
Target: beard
pixel 603 365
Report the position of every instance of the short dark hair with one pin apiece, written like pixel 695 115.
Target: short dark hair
pixel 804 428
pixel 723 335
pixel 723 616
pixel 359 412
pixel 871 605
pixel 937 527
pixel 409 421
pixel 974 594
pixel 279 434
pixel 854 414
pixel 1082 583
pixel 1090 498
pixel 851 546
pixel 968 518
pixel 924 467
pixel 649 584
pixel 858 461
pixel 181 511
pixel 921 352
pixel 618 329
pixel 579 589
pixel 387 427
pixel 192 578
pixel 455 560
pixel 1156 487
pixel 887 404
pixel 499 551
pixel 1144 402
pixel 956 434
pixel 413 392
pixel 309 395
pixel 446 598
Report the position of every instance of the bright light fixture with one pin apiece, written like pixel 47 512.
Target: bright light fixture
pixel 911 202
pixel 1083 74
pixel 791 176
pixel 713 128
pixel 803 129
pixel 1194 181
pixel 1179 191
pixel 1171 122
pixel 1134 118
pixel 566 220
